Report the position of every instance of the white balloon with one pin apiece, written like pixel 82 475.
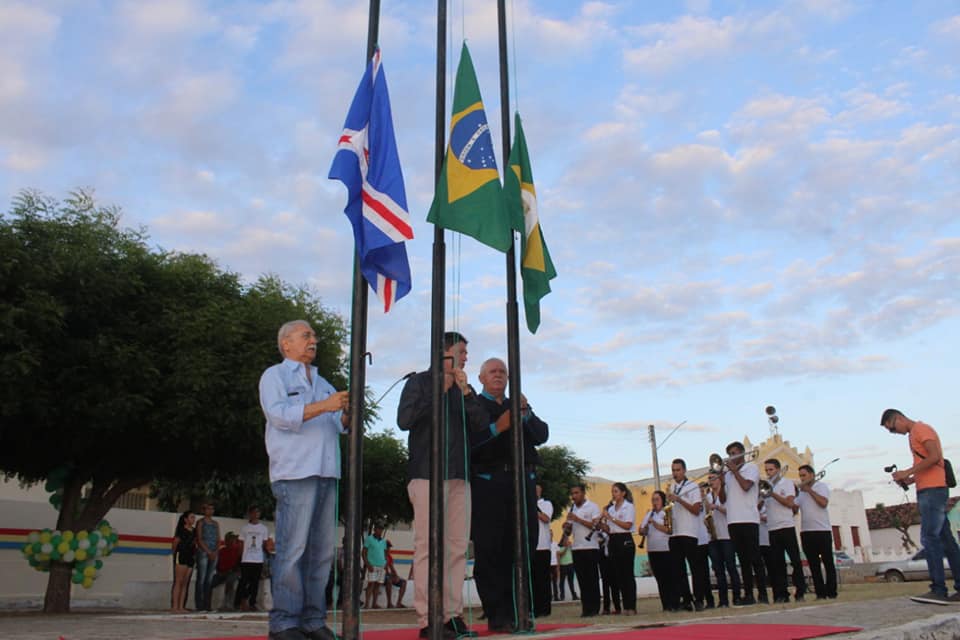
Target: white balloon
pixel 83 544
pixel 68 556
pixel 33 536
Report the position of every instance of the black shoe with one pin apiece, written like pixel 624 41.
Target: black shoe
pixel 500 626
pixel 323 633
pixel 446 633
pixel 287 634
pixel 781 599
pixel 574 597
pixel 798 597
pixel 698 606
pixel 745 602
pixel 459 627
pixel 710 605
pixel 723 605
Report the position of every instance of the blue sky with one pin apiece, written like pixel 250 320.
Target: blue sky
pixel 747 203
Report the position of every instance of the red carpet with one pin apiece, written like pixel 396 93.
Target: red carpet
pixel 719 632
pixel 410 633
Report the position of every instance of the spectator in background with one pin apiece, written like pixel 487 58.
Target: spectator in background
pixel 228 570
pixel 393 579
pixel 253 537
pixel 374 561
pixel 208 546
pixel 184 556
pixel 567 572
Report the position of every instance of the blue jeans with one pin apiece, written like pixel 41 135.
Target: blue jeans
pixel 306 532
pixel 937 538
pixel 724 563
pixel 206 570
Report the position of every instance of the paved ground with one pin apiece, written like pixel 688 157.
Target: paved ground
pixel 882 610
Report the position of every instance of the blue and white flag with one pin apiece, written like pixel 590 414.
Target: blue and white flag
pixel 368 165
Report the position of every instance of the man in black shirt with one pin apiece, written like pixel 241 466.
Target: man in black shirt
pixel 491 491
pixel 466 418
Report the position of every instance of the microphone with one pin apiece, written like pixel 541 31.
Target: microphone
pixel 398 381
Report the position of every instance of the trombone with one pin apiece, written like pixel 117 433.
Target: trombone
pixel 766 486
pixel 717 464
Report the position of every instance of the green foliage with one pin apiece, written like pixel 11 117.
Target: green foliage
pixel 561 469
pixel 120 361
pixel 385 498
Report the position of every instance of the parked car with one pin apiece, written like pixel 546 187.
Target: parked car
pixel 841 560
pixel 914 568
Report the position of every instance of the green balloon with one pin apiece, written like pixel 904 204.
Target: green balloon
pixel 55 555
pixel 37 547
pixel 74 543
pixel 77 577
pixel 93 537
pixel 98 564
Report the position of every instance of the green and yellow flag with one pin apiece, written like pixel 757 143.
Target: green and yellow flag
pixel 469 198
pixel 536 267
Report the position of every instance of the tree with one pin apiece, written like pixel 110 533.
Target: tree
pixel 560 471
pixel 121 364
pixel 385 498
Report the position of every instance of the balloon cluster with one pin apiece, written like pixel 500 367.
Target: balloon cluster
pixel 84 549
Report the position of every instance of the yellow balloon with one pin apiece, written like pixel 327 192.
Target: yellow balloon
pixel 67 536
pixel 89 572
pixel 82 535
pixel 28 549
pixel 87 583
pixel 44 537
pixel 63 547
pixel 80 555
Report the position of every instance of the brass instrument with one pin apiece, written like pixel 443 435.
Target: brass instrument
pixel 717 463
pixel 668 518
pixel 816 478
pixel 766 486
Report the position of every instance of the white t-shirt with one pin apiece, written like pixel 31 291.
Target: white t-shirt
pixel 742 505
pixel 764 530
pixel 656 540
pixel 587 511
pixel 543 541
pixel 553 554
pixel 625 513
pixel 719 520
pixel 813 517
pixel 703 535
pixel 253 536
pixel 779 516
pixel 685 523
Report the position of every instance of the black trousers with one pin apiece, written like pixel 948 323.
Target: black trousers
pixel 684 549
pixel 704 561
pixel 784 542
pixel 818 547
pixel 249 584
pixel 746 542
pixel 541 578
pixel 610 588
pixel 586 564
pixel 623 552
pixel 662 565
pixel 492 534
pixel 724 563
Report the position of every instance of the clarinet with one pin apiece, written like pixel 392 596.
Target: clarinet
pixel 599 523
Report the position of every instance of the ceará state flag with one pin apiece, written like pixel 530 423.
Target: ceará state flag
pixel 368 165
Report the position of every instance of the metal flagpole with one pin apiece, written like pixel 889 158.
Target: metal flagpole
pixel 521 551
pixel 351 579
pixel 438 434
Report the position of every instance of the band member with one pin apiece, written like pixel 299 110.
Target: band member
pixel 721 548
pixel 703 544
pixel 544 559
pixel 738 493
pixel 620 518
pixel 656 530
pixel 492 496
pixel 763 553
pixel 685 496
pixel 584 517
pixel 609 589
pixel 781 507
pixel 815 532
pixel 929 473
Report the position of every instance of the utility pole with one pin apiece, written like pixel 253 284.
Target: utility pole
pixel 656 464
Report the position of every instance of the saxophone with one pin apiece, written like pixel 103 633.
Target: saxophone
pixel 668 518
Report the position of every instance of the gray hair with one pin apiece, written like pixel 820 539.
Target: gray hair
pixel 286 329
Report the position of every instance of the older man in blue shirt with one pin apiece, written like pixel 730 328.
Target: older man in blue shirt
pixel 305 416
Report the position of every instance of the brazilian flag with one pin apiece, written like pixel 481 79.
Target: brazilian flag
pixel 536 267
pixel 469 198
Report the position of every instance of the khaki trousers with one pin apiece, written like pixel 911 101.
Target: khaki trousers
pixel 456 525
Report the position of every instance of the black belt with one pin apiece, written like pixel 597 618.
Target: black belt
pixel 497 468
